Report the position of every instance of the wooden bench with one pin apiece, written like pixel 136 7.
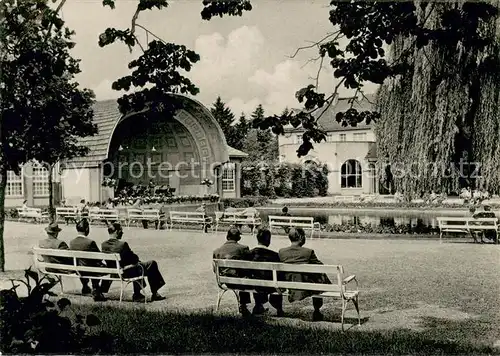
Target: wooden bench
pixel 235 218
pixel 35 214
pixel 338 288
pixel 466 225
pixel 191 217
pixel 344 198
pixel 104 215
pixel 294 221
pixel 67 213
pixel 74 270
pixel 138 215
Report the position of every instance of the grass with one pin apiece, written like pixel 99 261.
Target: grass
pixel 140 331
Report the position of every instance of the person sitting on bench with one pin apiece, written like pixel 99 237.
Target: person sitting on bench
pixel 262 253
pixel 298 254
pixel 127 258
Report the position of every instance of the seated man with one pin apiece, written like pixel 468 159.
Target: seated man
pixel 203 209
pixel 301 255
pixel 249 213
pixel 127 258
pixel 83 243
pixel 263 253
pixel 51 242
pixel 486 213
pixel 284 212
pixel 232 250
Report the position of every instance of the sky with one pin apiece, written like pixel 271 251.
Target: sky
pixel 244 60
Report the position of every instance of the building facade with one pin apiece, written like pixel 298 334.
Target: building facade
pixel 180 151
pixel 350 153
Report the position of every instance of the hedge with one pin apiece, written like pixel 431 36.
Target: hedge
pixel 244 202
pixel 284 180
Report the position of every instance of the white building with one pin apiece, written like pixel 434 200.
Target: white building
pixel 349 152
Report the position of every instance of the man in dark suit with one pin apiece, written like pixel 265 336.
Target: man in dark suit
pixel 51 242
pixel 232 250
pixel 298 254
pixel 128 258
pixel 83 243
pixel 485 213
pixel 263 253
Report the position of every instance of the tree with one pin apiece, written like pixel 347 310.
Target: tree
pixel 242 127
pixel 43 110
pixel 225 118
pixel 223 115
pixel 267 141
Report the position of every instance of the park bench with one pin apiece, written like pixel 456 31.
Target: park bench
pixel 189 217
pixel 235 218
pixel 138 215
pixel 74 270
pixel 338 289
pixel 465 225
pixel 96 214
pixel 295 221
pixel 67 213
pixel 35 214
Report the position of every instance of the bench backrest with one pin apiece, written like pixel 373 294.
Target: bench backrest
pixel 73 257
pixel 234 216
pixel 187 215
pixel 291 220
pixel 142 213
pixel 30 210
pixel 66 210
pixel 467 222
pixel 276 269
pixel 103 213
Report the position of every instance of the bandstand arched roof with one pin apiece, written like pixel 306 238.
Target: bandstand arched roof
pixel 107 117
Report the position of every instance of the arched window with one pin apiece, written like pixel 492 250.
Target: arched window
pixel 350 174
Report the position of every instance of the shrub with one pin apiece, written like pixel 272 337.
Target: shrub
pixel 284 180
pixel 36 325
pixel 244 202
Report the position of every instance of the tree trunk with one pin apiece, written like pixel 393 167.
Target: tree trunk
pixel 3 184
pixel 52 211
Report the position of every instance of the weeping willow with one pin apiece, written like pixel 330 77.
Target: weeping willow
pixel 440 124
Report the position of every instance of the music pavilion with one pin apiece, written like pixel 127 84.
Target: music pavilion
pixel 179 150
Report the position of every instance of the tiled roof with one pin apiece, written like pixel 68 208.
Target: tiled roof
pixel 106 114
pixel 328 122
pixel 233 152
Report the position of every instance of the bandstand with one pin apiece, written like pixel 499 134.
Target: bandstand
pixel 179 151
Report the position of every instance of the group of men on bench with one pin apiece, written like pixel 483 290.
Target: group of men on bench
pixel 113 245
pixel 296 253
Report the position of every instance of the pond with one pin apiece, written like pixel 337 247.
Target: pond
pixel 368 217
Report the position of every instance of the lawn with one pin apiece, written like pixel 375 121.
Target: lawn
pixel 417 296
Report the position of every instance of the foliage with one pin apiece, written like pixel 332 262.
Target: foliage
pixel 234 133
pixel 44 112
pixel 109 182
pixel 165 199
pixel 207 182
pixel 261 144
pixel 283 180
pixel 456 95
pixel 244 202
pixel 399 229
pixel 35 325
pixel 242 127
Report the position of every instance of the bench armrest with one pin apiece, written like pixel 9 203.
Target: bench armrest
pixel 349 279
